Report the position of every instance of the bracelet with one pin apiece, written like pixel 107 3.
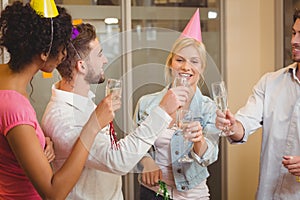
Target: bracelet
pixel 201 161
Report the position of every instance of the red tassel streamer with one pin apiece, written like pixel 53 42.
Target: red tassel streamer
pixel 113 138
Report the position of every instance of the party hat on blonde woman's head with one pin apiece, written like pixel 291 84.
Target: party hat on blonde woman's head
pixel 45 8
pixel 193 28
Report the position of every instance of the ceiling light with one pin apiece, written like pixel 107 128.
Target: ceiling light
pixel 111 20
pixel 212 15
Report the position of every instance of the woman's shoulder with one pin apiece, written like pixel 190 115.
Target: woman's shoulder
pixel 10 99
pixel 15 109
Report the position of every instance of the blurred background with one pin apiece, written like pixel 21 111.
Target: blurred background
pixel 244 39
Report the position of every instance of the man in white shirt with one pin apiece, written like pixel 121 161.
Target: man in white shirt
pixel 70 107
pixel 274 106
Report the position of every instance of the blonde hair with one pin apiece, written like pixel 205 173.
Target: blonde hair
pixel 179 44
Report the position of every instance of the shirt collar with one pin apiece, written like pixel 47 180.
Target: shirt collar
pixel 293 69
pixel 70 98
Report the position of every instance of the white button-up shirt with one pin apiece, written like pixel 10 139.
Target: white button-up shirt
pixel 63 120
pixel 275 106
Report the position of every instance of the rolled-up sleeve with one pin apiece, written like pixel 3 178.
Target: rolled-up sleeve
pixel 251 115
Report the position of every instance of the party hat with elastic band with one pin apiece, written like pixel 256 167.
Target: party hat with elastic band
pixel 45 8
pixel 193 28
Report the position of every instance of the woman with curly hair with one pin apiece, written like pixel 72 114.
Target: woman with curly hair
pixel 35 43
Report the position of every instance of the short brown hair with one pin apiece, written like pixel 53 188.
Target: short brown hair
pixel 77 49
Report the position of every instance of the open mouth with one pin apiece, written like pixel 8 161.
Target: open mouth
pixel 185 75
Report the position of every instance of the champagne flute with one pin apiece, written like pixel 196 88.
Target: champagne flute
pixel 179 81
pixel 184 118
pixel 220 97
pixel 114 87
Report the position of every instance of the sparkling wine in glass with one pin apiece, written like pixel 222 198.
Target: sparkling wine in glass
pixel 179 80
pixel 185 117
pixel 114 87
pixel 220 97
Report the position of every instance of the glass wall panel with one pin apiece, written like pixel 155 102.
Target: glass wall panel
pixel 156 24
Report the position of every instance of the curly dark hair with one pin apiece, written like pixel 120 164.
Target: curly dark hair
pixel 78 49
pixel 25 34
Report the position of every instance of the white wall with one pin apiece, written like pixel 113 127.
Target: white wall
pixel 250 38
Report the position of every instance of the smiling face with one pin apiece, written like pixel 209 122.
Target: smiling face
pixel 295 41
pixel 95 62
pixel 187 58
pixel 186 62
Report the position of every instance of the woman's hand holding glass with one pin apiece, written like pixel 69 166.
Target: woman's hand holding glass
pixel 193 132
pixel 184 119
pixel 196 136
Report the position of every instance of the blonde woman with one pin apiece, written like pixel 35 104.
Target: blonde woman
pixel 183 180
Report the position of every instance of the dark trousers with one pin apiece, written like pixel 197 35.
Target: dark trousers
pixel 146 194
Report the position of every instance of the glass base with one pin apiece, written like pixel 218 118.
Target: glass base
pixel 185 159
pixel 226 134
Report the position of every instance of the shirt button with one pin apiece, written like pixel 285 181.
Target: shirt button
pixel 179 171
pixel 176 152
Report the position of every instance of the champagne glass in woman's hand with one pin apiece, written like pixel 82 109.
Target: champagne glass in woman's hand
pixel 185 117
pixel 179 81
pixel 220 97
pixel 113 87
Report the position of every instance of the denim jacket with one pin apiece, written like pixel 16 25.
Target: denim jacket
pixel 187 175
